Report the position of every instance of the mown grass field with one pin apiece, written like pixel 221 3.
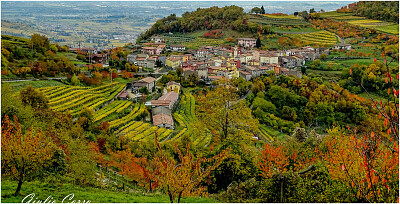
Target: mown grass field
pixel 331 14
pixel 391 28
pixel 71 57
pixel 94 195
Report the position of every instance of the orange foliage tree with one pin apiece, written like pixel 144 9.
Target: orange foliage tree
pixel 364 164
pixel 23 155
pixel 138 169
pixel 183 177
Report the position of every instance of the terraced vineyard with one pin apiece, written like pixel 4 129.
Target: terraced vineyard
pixel 201 42
pixel 274 21
pixel 185 115
pixel 282 16
pixel 114 107
pixel 320 37
pixel 137 130
pixel 74 98
pixel 378 25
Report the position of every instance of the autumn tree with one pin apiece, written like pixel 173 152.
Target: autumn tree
pixel 222 113
pixel 258 86
pixel 33 98
pixel 368 168
pixel 183 177
pixel 23 155
pixel 136 168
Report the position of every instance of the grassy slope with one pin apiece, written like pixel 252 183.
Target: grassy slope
pixel 17 86
pixel 59 191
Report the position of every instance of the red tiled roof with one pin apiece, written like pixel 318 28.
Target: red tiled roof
pixel 160 102
pixel 170 96
pixel 163 119
pixel 123 94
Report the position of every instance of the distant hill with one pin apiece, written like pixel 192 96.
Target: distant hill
pixel 378 10
pixel 34 57
pixel 228 17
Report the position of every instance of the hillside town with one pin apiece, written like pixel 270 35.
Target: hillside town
pixel 211 62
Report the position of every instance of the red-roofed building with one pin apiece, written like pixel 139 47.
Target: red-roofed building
pixel 164 121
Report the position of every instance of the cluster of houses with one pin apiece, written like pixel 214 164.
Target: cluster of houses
pixel 162 108
pixel 211 63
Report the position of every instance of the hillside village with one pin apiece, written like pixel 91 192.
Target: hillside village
pixel 210 63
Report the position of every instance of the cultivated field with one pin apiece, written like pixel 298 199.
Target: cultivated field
pixel 320 37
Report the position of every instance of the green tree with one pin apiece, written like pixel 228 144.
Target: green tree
pixel 193 80
pixel 144 90
pixel 74 80
pixel 86 116
pixel 34 98
pixel 264 105
pixel 323 56
pixel 13 106
pixel 258 43
pixel 289 113
pixel 256 10
pixel 316 63
pixel 258 86
pixel 262 9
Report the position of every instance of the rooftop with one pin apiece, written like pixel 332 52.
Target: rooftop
pixel 163 119
pixel 148 80
pixel 170 96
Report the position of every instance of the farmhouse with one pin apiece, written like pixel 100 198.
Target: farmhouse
pixel 173 86
pixel 163 120
pixel 168 100
pixel 148 82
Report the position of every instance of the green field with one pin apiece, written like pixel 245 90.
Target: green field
pixel 71 57
pixel 17 86
pixel 391 28
pixel 331 14
pixel 331 76
pixel 94 195
pixel 347 18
